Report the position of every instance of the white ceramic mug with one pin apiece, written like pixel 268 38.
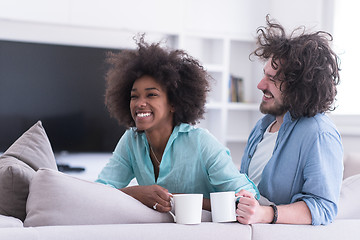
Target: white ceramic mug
pixel 188 208
pixel 223 208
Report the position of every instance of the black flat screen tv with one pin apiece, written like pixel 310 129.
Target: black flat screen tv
pixel 63 86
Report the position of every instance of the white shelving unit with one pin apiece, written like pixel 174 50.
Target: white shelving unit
pixel 230 122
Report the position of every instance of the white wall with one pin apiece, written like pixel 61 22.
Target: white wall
pixel 105 23
pixel 112 23
pixel 315 15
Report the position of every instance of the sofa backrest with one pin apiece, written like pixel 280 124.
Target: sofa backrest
pixel 351 164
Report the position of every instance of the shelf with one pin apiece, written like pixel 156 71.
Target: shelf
pixel 214 67
pixel 244 39
pixel 212 105
pixel 233 106
pixel 208 51
pixel 242 106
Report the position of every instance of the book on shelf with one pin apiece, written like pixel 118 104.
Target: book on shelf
pixel 236 89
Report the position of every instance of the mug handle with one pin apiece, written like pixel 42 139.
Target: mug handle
pixel 236 199
pixel 172 207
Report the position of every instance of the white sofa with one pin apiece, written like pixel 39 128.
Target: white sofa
pixel 59 206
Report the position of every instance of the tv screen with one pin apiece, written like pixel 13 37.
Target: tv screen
pixel 63 86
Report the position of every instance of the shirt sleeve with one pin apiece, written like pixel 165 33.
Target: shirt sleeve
pixel 322 178
pixel 223 174
pixel 118 172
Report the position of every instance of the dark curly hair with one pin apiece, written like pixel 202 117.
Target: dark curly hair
pixel 309 67
pixel 185 80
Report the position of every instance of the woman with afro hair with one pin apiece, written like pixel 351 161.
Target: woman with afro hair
pixel 159 95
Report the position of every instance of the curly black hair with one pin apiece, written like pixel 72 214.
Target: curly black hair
pixel 184 78
pixel 309 67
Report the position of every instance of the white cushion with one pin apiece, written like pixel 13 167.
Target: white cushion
pixel 349 202
pixel 56 198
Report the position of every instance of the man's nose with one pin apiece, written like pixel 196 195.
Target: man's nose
pixel 262 84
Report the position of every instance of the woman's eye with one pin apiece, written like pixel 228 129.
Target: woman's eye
pixel 133 97
pixel 152 94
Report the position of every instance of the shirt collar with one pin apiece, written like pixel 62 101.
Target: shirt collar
pixel 268 119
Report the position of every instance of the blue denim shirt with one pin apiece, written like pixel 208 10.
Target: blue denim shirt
pixel 194 161
pixel 307 164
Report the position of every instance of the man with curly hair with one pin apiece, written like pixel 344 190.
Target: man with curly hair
pixel 294 153
pixel 159 95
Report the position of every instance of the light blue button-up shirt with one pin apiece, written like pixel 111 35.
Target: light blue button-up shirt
pixel 307 164
pixel 194 161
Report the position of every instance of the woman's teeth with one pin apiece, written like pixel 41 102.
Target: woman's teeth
pixel 143 114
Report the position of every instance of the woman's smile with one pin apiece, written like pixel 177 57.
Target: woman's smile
pixel 143 114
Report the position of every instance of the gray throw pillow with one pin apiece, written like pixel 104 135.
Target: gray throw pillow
pixel 33 148
pixel 18 164
pixel 56 198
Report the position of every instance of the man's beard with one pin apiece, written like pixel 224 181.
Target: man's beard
pixel 276 110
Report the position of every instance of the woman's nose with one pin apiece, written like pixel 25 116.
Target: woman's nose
pixel 142 102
